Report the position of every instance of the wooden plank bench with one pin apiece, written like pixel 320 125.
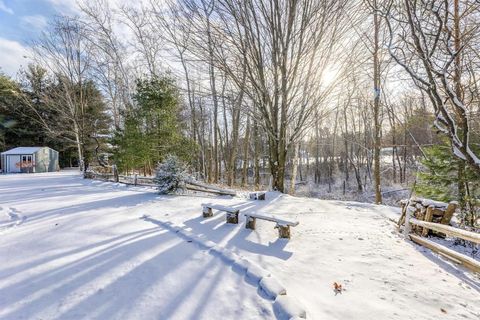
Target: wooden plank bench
pixel 283 225
pixel 257 195
pixel 232 213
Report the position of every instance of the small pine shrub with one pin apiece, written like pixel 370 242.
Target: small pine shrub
pixel 170 175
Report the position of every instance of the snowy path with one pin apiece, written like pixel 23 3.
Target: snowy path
pixel 84 253
pixel 92 256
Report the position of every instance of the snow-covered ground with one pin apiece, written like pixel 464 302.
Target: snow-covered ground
pixel 78 249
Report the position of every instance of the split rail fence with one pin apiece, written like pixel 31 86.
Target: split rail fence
pixel 138 180
pixel 417 229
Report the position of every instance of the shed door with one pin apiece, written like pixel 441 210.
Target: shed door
pixel 13 163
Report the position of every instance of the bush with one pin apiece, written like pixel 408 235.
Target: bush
pixel 170 175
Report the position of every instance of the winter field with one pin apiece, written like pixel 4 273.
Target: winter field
pixel 81 249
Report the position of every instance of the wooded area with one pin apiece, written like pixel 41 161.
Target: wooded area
pixel 332 98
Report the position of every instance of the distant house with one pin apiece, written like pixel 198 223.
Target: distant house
pixel 29 159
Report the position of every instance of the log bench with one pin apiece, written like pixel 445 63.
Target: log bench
pixel 257 195
pixel 232 213
pixel 283 225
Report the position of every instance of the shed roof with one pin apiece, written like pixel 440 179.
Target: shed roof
pixel 23 150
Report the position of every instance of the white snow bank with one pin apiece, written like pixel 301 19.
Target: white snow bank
pixel 272 287
pixel 287 307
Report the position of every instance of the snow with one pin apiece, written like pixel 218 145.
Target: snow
pixel 98 250
pixel 458 153
pixel 272 287
pixel 85 252
pixel 10 217
pixel 22 150
pixel 170 175
pixel 420 203
pixel 288 308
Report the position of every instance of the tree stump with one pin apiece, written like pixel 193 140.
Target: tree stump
pixel 207 212
pixel 283 231
pixel 232 217
pixel 250 223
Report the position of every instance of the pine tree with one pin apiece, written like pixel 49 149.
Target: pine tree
pixel 171 175
pixel 152 128
pixel 439 180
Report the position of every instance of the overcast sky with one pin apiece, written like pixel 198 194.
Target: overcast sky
pixel 20 22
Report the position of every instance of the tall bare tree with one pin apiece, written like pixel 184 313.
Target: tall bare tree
pixel 422 41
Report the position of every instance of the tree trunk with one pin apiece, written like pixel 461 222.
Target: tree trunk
pixel 294 169
pixel 461 181
pixel 376 106
pixel 256 158
pixel 81 162
pixel 245 153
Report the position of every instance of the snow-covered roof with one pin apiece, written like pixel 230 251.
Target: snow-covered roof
pixel 22 150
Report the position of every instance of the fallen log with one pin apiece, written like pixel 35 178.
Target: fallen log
pixel 209 188
pixel 222 193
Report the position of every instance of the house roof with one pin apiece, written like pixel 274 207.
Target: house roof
pixel 22 150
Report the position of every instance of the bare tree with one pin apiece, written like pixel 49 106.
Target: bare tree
pixel 283 46
pixel 65 52
pixel 422 41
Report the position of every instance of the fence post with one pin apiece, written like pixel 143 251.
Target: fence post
pixel 135 179
pixel 115 173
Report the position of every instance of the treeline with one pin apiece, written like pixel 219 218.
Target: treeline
pixel 74 119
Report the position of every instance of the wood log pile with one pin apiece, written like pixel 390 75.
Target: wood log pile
pixel 429 211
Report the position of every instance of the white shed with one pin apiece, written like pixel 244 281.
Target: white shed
pixel 29 159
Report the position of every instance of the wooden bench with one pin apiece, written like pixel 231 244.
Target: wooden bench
pixel 283 225
pixel 232 213
pixel 258 195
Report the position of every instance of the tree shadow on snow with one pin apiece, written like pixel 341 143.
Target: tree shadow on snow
pixel 449 267
pixel 236 236
pixel 96 206
pixel 55 287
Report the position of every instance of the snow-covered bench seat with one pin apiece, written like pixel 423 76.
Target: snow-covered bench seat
pixel 283 225
pixel 232 213
pixel 257 195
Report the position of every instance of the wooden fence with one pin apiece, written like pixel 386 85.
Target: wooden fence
pixel 137 180
pixel 456 257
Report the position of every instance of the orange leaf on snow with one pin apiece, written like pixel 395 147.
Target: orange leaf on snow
pixel 337 288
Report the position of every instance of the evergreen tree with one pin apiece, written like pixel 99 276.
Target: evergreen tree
pixel 439 180
pixel 16 125
pixel 29 116
pixel 170 175
pixel 152 129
